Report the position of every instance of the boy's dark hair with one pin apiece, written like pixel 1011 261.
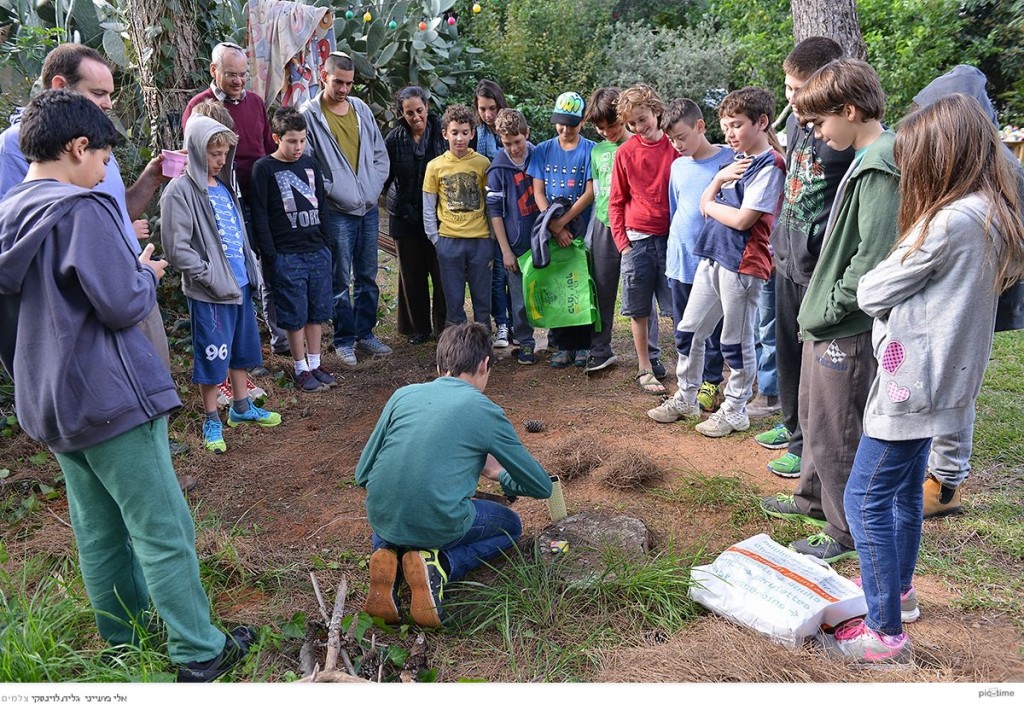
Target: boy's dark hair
pixel 749 101
pixel 510 122
pixel 489 89
pixel 287 119
pixel 65 61
pixel 810 55
pixel 54 118
pixel 681 110
pixel 838 84
pixel 461 348
pixel 408 93
pixel 602 106
pixel 215 110
pixel 458 113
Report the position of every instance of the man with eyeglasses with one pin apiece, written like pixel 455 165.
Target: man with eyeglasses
pixel 344 138
pixel 229 68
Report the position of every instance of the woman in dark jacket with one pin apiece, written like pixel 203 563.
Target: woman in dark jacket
pixel 411 145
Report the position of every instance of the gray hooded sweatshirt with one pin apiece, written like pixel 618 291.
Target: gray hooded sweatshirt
pixel 350 192
pixel 969 80
pixel 189 229
pixel 71 295
pixel 934 316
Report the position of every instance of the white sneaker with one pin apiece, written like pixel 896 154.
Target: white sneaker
pixel 674 409
pixel 501 336
pixel 723 422
pixel 347 356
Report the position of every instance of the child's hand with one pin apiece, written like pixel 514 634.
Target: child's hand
pixel 157 265
pixel 141 228
pixel 563 238
pixel 492 468
pixel 510 261
pixel 733 171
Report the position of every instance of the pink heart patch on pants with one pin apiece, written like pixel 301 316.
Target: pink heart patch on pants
pixel 892 358
pixel 897 393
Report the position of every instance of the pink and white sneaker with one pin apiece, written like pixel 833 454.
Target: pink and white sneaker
pixel 854 641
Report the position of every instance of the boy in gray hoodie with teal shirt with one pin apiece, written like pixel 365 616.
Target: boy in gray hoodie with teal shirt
pixel 204 238
pixel 91 387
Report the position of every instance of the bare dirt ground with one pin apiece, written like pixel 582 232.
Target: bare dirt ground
pixel 287 499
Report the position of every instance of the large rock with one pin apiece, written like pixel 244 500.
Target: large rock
pixel 589 536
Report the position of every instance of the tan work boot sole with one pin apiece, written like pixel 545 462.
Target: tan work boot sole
pixel 422 607
pixel 380 599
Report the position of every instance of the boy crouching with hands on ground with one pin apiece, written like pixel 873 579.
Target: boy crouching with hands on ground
pixel 421 507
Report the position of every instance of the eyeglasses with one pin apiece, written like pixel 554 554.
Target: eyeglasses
pixel 231 76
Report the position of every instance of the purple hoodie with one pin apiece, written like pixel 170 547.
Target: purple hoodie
pixel 71 294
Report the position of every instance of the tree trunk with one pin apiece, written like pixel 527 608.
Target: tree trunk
pixel 166 43
pixel 836 19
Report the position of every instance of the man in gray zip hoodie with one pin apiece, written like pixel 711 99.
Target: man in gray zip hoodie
pixel 344 139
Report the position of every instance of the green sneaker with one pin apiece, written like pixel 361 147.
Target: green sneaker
pixel 775 439
pixel 213 437
pixel 783 506
pixel 255 415
pixel 786 466
pixel 707 397
pixel 824 547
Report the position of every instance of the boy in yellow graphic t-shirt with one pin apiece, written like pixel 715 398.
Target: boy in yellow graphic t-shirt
pixel 454 219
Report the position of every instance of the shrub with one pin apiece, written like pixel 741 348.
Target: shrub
pixel 685 63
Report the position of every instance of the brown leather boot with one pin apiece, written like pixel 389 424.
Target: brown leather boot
pixel 939 499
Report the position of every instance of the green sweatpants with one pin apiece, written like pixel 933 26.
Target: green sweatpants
pixel 136 541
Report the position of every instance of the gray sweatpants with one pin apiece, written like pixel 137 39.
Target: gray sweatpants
pixel 950 457
pixel 719 295
pixel 835 378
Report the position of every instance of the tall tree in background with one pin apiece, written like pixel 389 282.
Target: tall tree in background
pixel 836 19
pixel 167 43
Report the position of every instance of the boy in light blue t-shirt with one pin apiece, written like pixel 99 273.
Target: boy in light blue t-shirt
pixel 560 168
pixel 684 125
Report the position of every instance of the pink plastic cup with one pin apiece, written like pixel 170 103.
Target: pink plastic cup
pixel 173 164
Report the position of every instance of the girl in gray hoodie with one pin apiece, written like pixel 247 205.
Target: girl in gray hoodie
pixel 934 302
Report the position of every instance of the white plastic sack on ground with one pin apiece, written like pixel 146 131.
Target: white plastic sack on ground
pixel 780 593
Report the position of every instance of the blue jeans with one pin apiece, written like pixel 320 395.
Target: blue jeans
pixel 495 529
pixel 354 250
pixel 501 307
pixel 884 505
pixel 767 370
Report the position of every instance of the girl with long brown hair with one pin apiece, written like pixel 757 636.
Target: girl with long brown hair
pixel 960 242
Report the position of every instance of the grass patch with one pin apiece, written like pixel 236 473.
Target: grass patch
pixel 533 620
pixel 715 494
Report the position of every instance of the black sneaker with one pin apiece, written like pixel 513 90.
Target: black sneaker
pixel 307 382
pixel 426 579
pixel 382 595
pixel 235 649
pixel 595 364
pixel 324 377
pixel 658 369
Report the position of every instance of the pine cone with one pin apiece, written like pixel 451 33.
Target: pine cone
pixel 534 426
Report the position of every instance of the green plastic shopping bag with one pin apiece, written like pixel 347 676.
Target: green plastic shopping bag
pixel 562 294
